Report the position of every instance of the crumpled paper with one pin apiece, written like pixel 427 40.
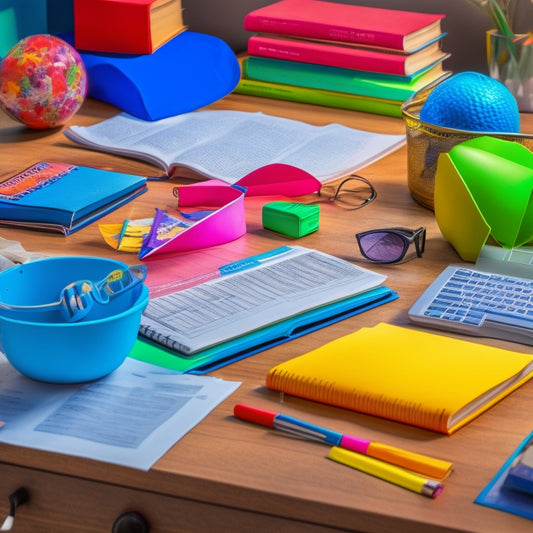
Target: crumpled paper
pixel 12 253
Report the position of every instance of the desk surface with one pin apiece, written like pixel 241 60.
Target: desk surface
pixel 254 473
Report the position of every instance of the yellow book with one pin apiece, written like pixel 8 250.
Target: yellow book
pixel 422 379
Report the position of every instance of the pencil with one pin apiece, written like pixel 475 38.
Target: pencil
pixel 388 472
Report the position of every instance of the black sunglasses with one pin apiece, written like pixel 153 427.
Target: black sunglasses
pixel 390 245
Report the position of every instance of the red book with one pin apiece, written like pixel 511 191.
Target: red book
pixel 350 57
pixel 126 26
pixel 316 19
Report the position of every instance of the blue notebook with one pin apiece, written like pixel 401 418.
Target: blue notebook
pixel 62 197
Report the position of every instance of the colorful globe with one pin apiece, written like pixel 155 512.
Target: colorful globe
pixel 43 81
pixel 474 102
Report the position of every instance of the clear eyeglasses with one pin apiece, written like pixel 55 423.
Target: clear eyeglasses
pixel 353 192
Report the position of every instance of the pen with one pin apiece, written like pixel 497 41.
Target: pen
pixel 428 466
pixel 391 473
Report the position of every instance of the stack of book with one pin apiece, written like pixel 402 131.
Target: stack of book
pixel 126 26
pixel 339 55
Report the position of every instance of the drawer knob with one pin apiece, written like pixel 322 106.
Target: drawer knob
pixel 130 523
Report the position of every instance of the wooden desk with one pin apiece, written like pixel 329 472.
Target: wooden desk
pixel 227 475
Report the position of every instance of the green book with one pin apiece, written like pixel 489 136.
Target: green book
pixel 357 82
pixel 280 91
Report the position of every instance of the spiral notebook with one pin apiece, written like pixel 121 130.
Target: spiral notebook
pixel 422 379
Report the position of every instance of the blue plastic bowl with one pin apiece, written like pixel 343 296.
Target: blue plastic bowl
pixel 56 351
pixel 40 282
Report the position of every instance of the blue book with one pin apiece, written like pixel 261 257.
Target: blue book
pixel 62 197
pixel 520 475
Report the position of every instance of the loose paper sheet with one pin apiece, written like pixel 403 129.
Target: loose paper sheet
pixel 131 417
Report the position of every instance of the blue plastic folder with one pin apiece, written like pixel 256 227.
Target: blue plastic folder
pixel 262 339
pixel 497 496
pixel 190 71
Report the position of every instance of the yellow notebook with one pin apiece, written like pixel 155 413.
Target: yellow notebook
pixel 423 379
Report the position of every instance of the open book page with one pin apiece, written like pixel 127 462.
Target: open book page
pixel 228 145
pixel 251 294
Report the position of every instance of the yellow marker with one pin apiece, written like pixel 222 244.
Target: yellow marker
pixel 388 472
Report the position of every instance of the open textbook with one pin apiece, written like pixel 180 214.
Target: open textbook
pixel 228 145
pixel 277 287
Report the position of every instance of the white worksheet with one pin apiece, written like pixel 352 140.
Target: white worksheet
pixel 131 417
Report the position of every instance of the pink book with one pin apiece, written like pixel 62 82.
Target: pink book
pixel 349 57
pixel 317 19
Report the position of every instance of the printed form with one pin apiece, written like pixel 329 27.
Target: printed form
pixel 251 294
pixel 130 417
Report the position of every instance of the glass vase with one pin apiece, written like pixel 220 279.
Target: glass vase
pixel 510 60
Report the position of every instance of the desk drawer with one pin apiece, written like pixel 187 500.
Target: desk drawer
pixel 63 504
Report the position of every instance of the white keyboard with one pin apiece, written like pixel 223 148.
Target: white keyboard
pixel 478 303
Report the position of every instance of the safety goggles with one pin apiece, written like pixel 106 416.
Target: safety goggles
pixel 77 298
pixel 390 245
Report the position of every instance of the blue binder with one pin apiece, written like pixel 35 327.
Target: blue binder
pixel 262 339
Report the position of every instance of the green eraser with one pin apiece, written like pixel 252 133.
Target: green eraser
pixel 292 219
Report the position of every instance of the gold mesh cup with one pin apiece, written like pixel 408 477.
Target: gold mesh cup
pixel 425 142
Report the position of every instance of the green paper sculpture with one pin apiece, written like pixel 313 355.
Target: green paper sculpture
pixel 483 187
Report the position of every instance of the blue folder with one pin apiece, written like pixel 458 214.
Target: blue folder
pixel 228 352
pixel 498 496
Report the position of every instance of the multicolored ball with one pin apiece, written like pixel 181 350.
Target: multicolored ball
pixel 43 81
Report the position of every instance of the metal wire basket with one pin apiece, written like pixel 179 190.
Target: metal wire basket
pixel 425 142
